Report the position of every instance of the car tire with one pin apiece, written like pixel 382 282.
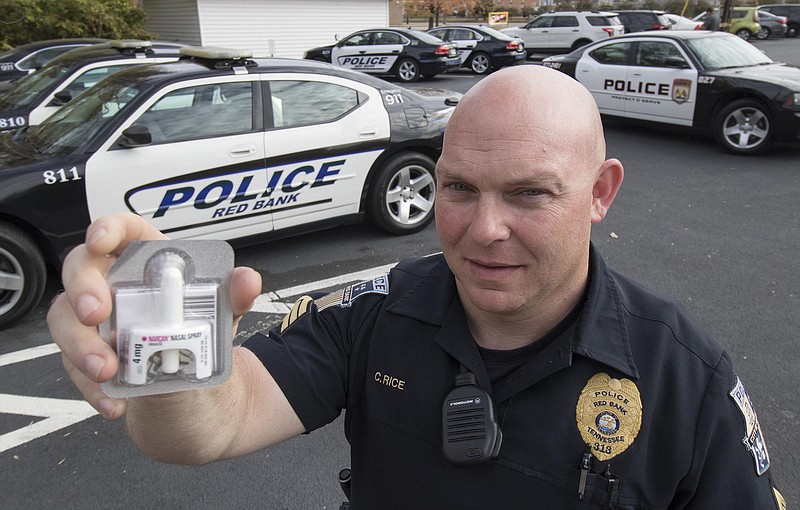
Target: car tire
pixel 791 32
pixel 744 127
pixel 24 273
pixel 764 33
pixel 480 63
pixel 744 34
pixel 407 70
pixel 401 196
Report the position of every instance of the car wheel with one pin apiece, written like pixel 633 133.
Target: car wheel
pixel 480 63
pixel 792 31
pixel 22 274
pixel 744 127
pixel 407 70
pixel 762 34
pixel 400 198
pixel 744 34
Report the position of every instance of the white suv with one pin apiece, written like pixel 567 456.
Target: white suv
pixel 562 32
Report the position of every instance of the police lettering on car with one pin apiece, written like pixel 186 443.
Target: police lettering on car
pixel 218 145
pixel 711 82
pixel 407 54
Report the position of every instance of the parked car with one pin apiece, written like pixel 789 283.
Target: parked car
pixel 559 32
pixel 482 49
pixel 401 52
pixel 710 82
pixel 679 22
pixel 25 59
pixel 641 20
pixel 35 97
pixel 792 13
pixel 217 145
pixel 771 25
pixel 744 22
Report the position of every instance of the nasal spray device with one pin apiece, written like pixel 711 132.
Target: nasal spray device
pixel 172 321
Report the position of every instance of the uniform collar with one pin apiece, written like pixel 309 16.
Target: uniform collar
pixel 599 332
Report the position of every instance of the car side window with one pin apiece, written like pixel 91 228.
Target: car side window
pixel 541 22
pixel 41 57
pixel 387 38
pixel 737 14
pixel 204 111
pixel 461 34
pixel 612 54
pixel 358 40
pixel 91 77
pixel 655 54
pixel 566 21
pixel 440 34
pixel 302 103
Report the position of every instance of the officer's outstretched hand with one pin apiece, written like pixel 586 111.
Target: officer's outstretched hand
pixel 75 314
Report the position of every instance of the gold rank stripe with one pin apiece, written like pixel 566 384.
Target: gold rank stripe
pixel 298 310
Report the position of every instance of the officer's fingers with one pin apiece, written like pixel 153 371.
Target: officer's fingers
pixel 110 235
pixel 109 408
pixel 245 288
pixel 86 287
pixel 85 354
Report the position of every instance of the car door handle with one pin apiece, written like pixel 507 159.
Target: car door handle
pixel 362 51
pixel 395 51
pixel 638 75
pixel 367 133
pixel 242 150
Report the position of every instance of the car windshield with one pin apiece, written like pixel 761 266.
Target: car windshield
pixel 726 52
pixel 25 90
pixel 79 121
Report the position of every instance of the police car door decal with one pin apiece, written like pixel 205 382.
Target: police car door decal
pixel 377 57
pixel 657 90
pixel 202 175
pixel 315 184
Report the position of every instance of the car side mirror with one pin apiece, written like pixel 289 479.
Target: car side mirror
pixel 61 98
pixel 676 62
pixel 137 135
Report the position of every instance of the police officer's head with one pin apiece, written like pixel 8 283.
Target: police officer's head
pixel 521 179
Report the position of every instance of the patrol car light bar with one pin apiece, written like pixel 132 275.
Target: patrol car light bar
pixel 125 44
pixel 213 53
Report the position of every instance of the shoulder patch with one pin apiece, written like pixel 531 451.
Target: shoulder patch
pixel 753 440
pixel 298 310
pixel 345 297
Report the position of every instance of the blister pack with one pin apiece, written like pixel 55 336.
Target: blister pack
pixel 171 323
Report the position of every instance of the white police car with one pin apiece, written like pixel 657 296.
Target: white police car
pixel 401 52
pixel 710 81
pixel 216 145
pixel 30 100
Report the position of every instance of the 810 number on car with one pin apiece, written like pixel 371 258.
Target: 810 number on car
pixel 11 122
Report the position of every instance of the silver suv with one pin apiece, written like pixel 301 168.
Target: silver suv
pixel 561 32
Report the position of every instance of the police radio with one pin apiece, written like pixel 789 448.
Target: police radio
pixel 470 433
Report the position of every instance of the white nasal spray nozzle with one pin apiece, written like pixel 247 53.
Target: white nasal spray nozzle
pixel 171 312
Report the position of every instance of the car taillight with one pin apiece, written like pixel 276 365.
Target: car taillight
pixel 782 21
pixel 443 50
pixel 698 27
pixel 755 16
pixel 658 26
pixel 609 31
pixel 512 45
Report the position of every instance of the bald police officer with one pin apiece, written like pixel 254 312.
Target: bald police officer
pixel 580 388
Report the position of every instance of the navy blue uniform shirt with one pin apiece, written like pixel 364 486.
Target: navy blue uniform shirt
pixel 632 380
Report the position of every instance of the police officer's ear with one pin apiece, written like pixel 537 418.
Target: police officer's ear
pixel 605 188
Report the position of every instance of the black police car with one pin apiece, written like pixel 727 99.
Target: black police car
pixel 401 52
pixel 25 59
pixel 216 145
pixel 709 81
pixel 482 49
pixel 35 97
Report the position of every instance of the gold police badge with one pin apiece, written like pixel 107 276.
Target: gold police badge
pixel 609 415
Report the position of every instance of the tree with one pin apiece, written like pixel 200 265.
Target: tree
pixel 24 21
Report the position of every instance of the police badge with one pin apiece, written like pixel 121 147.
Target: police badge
pixel 609 415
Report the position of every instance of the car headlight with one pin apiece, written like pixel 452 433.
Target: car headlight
pixel 793 99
